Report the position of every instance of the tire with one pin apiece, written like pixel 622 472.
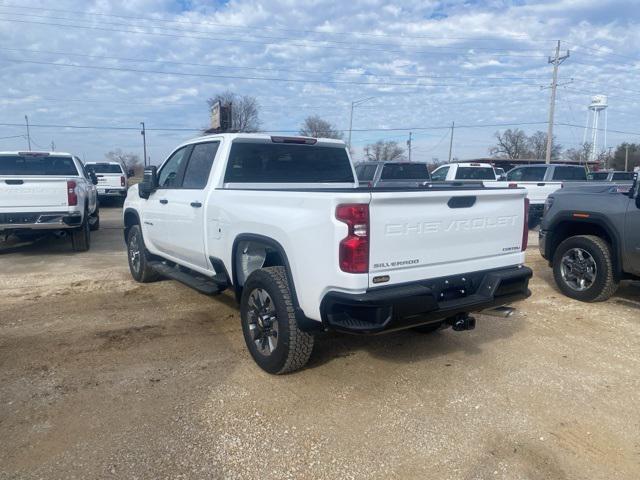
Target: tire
pixel 138 257
pixel 81 236
pixel 94 223
pixel 289 348
pixel 428 328
pixel 599 284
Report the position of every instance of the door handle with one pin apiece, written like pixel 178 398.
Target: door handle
pixel 164 201
pixel 196 204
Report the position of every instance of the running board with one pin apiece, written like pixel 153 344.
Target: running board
pixel 206 285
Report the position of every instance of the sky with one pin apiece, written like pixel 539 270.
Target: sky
pixel 413 66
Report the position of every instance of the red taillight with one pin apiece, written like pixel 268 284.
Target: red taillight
pixel 122 181
pixel 513 185
pixel 354 248
pixel 72 196
pixel 525 227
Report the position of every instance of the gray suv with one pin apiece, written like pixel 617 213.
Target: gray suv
pixel 591 238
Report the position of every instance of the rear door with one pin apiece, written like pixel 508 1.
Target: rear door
pixel 429 234
pixel 533 179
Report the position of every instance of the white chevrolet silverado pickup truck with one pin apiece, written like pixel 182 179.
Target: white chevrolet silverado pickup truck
pixel 42 192
pixel 465 172
pixel 283 223
pixel 113 181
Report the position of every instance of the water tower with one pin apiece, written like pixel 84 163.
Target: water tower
pixel 596 108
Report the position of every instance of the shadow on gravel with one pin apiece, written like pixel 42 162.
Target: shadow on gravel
pixel 410 346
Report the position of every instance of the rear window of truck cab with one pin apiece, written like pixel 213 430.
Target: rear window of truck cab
pixel 37 165
pixel 105 168
pixel 252 162
pixel 475 173
pixel 405 171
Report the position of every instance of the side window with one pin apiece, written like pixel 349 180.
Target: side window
pixel 622 176
pixel 440 174
pixel 169 176
pixel 196 175
pixel 569 173
pixel 527 174
pixel 365 172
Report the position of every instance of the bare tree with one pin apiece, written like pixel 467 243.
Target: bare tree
pixel 314 126
pixel 537 144
pixel 384 151
pixel 512 144
pixel 245 110
pixel 130 161
pixel 580 154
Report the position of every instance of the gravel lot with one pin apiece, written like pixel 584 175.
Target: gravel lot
pixel 101 377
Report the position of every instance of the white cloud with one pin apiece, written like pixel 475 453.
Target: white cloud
pixel 462 49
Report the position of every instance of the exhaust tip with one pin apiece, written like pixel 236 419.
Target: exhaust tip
pixel 501 312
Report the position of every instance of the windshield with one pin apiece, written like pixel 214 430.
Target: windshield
pixel 475 173
pixel 37 165
pixel 286 163
pixel 105 168
pixel 405 171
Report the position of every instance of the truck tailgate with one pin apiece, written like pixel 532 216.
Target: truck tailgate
pixel 109 180
pixel 31 192
pixel 429 234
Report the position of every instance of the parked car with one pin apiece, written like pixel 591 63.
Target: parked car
pixel 500 173
pixel 541 181
pixel 47 191
pixel 591 238
pixel 467 171
pixel 284 223
pixel 112 178
pixel 611 176
pixel 392 174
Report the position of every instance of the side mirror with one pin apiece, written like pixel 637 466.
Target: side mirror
pixel 502 178
pixel 130 173
pixel 149 182
pixel 94 178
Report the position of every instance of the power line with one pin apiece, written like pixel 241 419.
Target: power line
pixel 223 39
pixel 325 41
pixel 269 27
pixel 242 77
pixel 320 72
pixel 199 129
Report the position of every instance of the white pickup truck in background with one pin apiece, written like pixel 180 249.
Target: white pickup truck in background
pixel 283 222
pixel 44 192
pixel 113 179
pixel 541 181
pixel 465 172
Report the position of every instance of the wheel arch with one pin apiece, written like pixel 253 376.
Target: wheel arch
pixel 281 259
pixel 568 226
pixel 131 218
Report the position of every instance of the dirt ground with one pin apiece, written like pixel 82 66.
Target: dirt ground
pixel 101 377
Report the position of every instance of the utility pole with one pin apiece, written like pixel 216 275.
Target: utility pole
pixel 144 144
pixel 626 158
pixel 26 119
pixel 53 146
pixel 355 104
pixel 556 61
pixel 409 145
pixel 453 126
